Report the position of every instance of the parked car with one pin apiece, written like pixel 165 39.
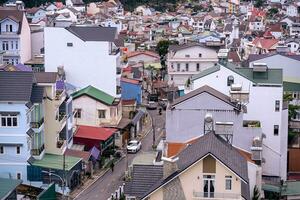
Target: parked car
pixel 134 146
pixel 151 105
pixel 163 103
pixel 153 97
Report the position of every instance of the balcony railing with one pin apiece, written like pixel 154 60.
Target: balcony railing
pixel 214 195
pixel 37 124
pixel 114 51
pixel 60 143
pixel 61 116
pixel 37 152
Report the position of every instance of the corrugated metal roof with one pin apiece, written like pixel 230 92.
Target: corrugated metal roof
pixel 45 77
pixel 7 186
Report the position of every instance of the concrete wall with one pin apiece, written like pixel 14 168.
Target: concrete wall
pixel 131 91
pixel 86 63
pixel 25 41
pixel 142 57
pixel 37 42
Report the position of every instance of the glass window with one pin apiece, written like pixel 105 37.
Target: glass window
pixel 228 182
pixel 18 149
pixel 200 55
pixel 10 28
pixel 187 56
pixel 276 129
pixel 277 105
pixel 178 67
pixel 230 80
pixel 69 44
pixel 12 45
pixel 101 114
pixel 17 45
pixel 9 120
pixel 5 45
pixel 77 113
pixel 1 149
pixel 187 67
pixel 198 67
pixel 19 176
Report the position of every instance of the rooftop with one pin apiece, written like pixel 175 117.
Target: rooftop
pixel 7 186
pixel 94 33
pixel 95 133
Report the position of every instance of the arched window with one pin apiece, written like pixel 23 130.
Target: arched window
pixel 230 80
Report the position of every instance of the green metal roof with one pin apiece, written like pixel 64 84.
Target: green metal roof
pixel 94 93
pixel 52 161
pixel 272 76
pixel 291 87
pixel 206 72
pixel 7 186
pixel 292 188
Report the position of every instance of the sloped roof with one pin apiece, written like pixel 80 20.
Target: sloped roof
pixel 94 33
pixel 37 94
pixel 7 186
pixel 94 93
pixel 128 80
pixel 265 43
pixel 143 178
pixel 14 14
pixel 16 86
pixel 45 77
pixel 206 72
pixel 85 155
pixel 148 53
pixel 200 90
pixel 93 132
pixel 209 144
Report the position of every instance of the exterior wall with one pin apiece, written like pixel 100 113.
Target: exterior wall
pixel 293 46
pixel 254 174
pixel 38 16
pixel 25 41
pixel 289 66
pixel 89 112
pixel 37 43
pixel 264 98
pixel 11 162
pixel 131 91
pixel 99 66
pixel 158 195
pixel 178 78
pixel 92 9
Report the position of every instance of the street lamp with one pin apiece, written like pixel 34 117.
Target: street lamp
pixel 61 179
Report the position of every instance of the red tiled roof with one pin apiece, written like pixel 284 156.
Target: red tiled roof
pixel 96 133
pixel 127 80
pixel 148 53
pixel 265 43
pixel 275 27
pixel 128 102
pixel 85 155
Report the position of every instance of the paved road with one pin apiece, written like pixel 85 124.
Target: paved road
pixel 107 184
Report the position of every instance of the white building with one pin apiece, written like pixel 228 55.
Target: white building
pixel 88 55
pixel 265 104
pixel 14 36
pixel 187 60
pixel 292 10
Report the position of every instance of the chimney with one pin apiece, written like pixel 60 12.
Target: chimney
pixel 170 166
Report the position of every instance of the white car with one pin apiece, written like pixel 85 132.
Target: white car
pixel 133 146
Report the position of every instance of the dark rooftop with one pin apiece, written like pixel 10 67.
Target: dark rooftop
pixel 94 33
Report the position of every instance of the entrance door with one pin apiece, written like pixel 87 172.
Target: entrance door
pixel 209 186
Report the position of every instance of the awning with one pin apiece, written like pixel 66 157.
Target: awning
pixel 30 132
pixel 94 133
pixel 137 117
pixel 123 123
pixel 85 155
pixel 270 188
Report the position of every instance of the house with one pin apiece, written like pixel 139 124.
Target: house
pixel 142 56
pixel 212 39
pixel 294 29
pixel 276 30
pixel 58 121
pixel 91 136
pixel 94 44
pixel 35 14
pixel 261 45
pixel 15 36
pixel 292 10
pixel 293 43
pixel 76 4
pixel 66 17
pixel 261 87
pixel 131 89
pixel 208 168
pixel 94 107
pixel 187 60
pixel 22 129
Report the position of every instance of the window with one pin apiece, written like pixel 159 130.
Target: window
pixel 1 149
pixel 17 45
pixel 12 45
pixel 276 129
pixel 7 28
pixel 18 149
pixel 187 67
pixel 9 120
pixel 187 56
pixel 200 55
pixel 69 44
pixel 228 182
pixel 5 45
pixel 277 105
pixel 198 67
pixel 230 80
pixel 101 114
pixel 178 67
pixel 77 113
pixel 10 28
pixel 17 61
pixel 19 175
pixel 172 78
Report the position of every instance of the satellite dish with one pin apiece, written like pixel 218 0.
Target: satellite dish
pixel 208 118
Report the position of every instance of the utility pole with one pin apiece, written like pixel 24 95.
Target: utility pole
pixel 64 175
pixel 153 131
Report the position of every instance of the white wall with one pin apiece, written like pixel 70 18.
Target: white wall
pixel 37 42
pixel 86 63
pixel 25 41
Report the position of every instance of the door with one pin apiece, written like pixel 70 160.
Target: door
pixel 209 186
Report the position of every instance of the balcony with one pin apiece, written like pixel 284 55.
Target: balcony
pixel 215 196
pixel 38 153
pixel 12 53
pixel 37 124
pixel 60 143
pixel 8 35
pixel 114 51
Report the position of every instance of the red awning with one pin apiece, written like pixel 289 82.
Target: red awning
pixel 95 133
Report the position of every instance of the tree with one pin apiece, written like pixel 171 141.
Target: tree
pixel 293 111
pixel 256 193
pixel 162 49
pixel 272 12
pixel 258 3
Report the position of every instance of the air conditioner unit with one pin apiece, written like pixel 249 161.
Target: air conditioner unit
pixel 260 67
pixel 236 87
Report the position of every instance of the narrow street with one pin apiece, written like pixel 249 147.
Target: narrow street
pixel 107 184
